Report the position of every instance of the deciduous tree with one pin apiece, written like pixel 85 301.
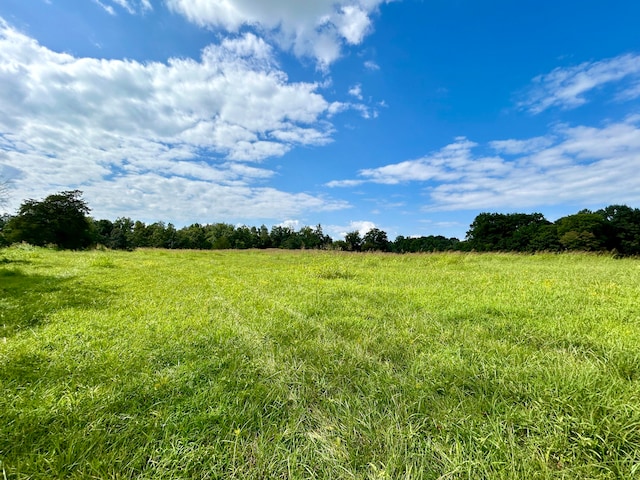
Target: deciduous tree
pixel 60 219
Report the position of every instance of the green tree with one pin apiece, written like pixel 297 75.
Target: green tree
pixel 284 237
pixel 264 239
pixel 353 241
pixel 193 237
pixel 4 220
pixel 122 234
pixel 140 235
pixel 60 219
pixel 156 235
pixel 504 232
pixel 219 235
pixel 623 228
pixel 243 238
pixel 375 239
pixel 102 232
pixel 430 243
pixel 584 230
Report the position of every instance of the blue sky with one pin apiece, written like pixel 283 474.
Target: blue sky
pixel 410 116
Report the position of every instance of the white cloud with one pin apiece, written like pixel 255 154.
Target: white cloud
pixel 344 183
pixel 293 224
pixel 316 28
pixel 101 125
pixel 518 147
pixel 360 226
pixel 574 165
pixel 567 87
pixel 371 65
pixel 107 8
pixel 131 6
pixel 356 91
pixel 630 93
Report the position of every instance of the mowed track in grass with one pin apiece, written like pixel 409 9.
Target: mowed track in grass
pixel 278 364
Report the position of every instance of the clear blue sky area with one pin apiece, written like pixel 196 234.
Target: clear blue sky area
pixel 410 116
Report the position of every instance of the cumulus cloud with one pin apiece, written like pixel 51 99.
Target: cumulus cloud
pixel 576 165
pixel 95 124
pixel 340 231
pixel 356 91
pixel 568 87
pixel 317 29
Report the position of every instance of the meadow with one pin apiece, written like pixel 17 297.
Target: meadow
pixel 160 364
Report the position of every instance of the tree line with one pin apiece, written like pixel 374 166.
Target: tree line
pixel 63 220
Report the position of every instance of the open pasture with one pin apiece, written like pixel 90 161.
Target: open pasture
pixel 277 364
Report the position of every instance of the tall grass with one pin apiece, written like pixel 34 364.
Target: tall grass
pixel 164 364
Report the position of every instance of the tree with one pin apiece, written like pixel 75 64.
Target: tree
pixel 60 219
pixel 4 220
pixel 219 235
pixel 122 234
pixel 623 232
pixel 264 239
pixel 424 244
pixel 506 232
pixel 584 230
pixel 102 232
pixel 353 241
pixel 375 239
pixel 194 237
pixel 284 237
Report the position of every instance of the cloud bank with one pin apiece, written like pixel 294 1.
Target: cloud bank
pixel 572 165
pixel 317 29
pixel 178 128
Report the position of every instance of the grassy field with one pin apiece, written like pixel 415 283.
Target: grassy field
pixel 274 364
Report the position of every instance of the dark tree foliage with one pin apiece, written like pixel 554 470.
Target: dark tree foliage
pixel 430 243
pixel 4 220
pixel 623 228
pixel 193 237
pixel 615 228
pixel 375 239
pixel 584 231
pixel 504 232
pixel 101 230
pixel 60 219
pixel 121 236
pixel 353 241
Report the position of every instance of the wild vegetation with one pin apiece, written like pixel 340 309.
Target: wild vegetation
pixel 276 364
pixel 62 220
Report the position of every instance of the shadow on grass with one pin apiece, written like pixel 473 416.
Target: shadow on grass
pixel 27 300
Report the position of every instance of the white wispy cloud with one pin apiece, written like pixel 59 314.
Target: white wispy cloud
pixel 517 147
pixel 568 87
pixel 317 29
pixel 356 91
pixel 371 65
pixel 575 165
pixel 107 8
pixel 130 6
pixel 135 134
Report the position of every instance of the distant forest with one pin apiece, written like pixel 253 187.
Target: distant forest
pixel 63 220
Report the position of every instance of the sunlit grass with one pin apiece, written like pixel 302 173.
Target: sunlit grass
pixel 274 364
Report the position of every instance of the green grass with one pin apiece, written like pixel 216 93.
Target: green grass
pixel 274 364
